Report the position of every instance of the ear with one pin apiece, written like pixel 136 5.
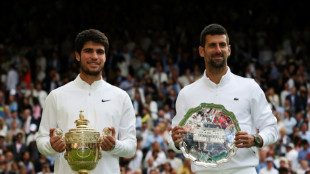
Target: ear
pixel 77 56
pixel 229 50
pixel 201 51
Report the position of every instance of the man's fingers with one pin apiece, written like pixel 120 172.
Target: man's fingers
pixel 52 132
pixel 57 144
pixel 113 131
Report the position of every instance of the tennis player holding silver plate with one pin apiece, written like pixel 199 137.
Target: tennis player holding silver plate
pixel 221 119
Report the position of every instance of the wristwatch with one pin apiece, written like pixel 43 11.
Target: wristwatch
pixel 257 141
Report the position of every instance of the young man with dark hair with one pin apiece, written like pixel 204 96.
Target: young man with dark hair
pixel 104 106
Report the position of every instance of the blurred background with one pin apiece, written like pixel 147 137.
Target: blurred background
pixel 269 40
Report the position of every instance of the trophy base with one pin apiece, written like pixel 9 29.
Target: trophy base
pixel 83 171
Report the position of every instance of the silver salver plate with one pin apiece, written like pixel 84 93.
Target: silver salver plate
pixel 211 130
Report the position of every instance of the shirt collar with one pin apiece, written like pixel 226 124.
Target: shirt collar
pixel 225 79
pixel 81 83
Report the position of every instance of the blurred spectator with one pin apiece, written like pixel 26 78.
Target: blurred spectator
pixel 12 79
pixel 175 162
pixel 284 92
pixel 41 60
pixel 18 147
pixel 292 155
pixel 135 162
pixel 137 103
pixel 25 104
pixel 25 76
pixel 2 104
pixel 36 112
pixel 304 132
pixel 187 78
pixel 14 117
pixel 269 169
pixel 127 84
pixel 289 122
pixel 33 134
pixel 40 94
pixel 26 116
pixel 155 137
pixel 25 161
pixel 3 127
pixel 299 119
pixel 167 169
pixel 273 97
pixel 146 117
pixel 294 100
pixel 46 169
pixel 12 101
pixel 151 105
pixel 304 151
pixel 304 167
pixel 186 169
pixel 155 157
pixel 41 164
pixel 280 145
pixel 159 75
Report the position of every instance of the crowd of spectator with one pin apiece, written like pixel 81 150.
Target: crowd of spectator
pixel 153 55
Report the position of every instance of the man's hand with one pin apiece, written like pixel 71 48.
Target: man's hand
pixel 244 140
pixel 108 142
pixel 177 135
pixel 57 144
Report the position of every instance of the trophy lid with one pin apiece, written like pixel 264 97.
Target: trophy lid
pixel 82 125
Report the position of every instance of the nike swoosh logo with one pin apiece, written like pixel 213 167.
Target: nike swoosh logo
pixel 104 100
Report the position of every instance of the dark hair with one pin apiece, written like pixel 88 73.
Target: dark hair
pixel 212 29
pixel 91 35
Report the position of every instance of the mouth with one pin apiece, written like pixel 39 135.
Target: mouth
pixel 218 57
pixel 93 64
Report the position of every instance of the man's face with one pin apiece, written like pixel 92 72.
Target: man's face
pixel 215 51
pixel 91 58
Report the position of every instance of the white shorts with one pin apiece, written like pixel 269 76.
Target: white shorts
pixel 247 170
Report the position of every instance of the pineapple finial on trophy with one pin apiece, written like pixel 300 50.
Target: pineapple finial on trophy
pixel 81 122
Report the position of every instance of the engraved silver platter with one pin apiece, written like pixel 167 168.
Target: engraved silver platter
pixel 211 130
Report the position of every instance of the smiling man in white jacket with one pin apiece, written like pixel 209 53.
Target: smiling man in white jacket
pixel 104 105
pixel 242 96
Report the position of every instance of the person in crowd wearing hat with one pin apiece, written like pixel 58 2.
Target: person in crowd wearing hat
pixel 33 134
pixel 269 169
pixel 292 155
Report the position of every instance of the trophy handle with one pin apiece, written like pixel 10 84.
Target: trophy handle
pixel 106 132
pixel 58 132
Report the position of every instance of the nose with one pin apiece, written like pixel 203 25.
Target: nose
pixel 94 55
pixel 218 48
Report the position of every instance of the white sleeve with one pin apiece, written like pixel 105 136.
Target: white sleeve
pixel 180 112
pixel 126 142
pixel 48 121
pixel 264 119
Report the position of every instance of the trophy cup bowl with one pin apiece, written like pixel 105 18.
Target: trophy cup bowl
pixel 82 146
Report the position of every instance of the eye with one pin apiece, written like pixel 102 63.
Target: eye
pixel 100 51
pixel 88 50
pixel 223 44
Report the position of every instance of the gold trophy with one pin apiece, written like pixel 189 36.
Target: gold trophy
pixel 82 145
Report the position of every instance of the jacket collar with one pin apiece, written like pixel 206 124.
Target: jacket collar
pixel 225 79
pixel 84 85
